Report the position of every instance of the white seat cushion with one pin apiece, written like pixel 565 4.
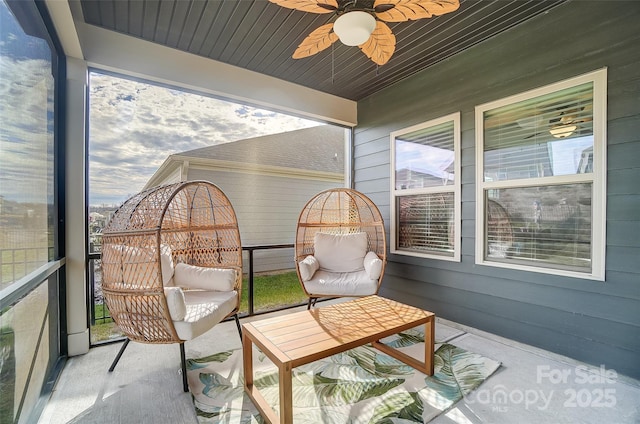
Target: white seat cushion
pixel 341 283
pixel 205 309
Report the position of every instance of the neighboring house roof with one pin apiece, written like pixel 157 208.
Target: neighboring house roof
pixel 315 149
pixel 310 148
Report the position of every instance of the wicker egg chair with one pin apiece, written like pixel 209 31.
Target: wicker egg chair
pixel 172 264
pixel 340 246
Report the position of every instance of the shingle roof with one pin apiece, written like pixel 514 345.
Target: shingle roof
pixel 318 148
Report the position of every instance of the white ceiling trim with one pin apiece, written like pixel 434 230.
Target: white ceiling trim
pixel 63 21
pixel 116 52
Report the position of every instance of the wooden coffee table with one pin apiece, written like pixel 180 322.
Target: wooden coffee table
pixel 300 338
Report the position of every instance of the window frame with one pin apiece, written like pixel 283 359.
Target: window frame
pixel 455 188
pixel 597 178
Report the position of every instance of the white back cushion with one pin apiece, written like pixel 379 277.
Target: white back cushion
pixel 196 277
pixel 137 265
pixel 166 265
pixel 340 252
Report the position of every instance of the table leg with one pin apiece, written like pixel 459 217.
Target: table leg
pixel 247 360
pixel 286 395
pixel 429 341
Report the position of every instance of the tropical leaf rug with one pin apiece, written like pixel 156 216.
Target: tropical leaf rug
pixel 362 385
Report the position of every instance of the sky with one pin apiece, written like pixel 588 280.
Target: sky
pixel 134 126
pixel 424 159
pixel 26 106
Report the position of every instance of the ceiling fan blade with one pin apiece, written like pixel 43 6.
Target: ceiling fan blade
pixel 408 10
pixel 318 40
pixel 381 45
pixel 573 115
pixel 585 114
pixel 313 6
pixel 535 135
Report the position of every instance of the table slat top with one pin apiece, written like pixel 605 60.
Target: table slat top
pixel 303 336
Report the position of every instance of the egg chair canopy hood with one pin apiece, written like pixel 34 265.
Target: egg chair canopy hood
pixel 172 263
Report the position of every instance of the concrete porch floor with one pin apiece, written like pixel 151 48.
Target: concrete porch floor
pixel 532 385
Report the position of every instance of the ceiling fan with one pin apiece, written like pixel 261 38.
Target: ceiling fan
pixel 567 121
pixel 362 23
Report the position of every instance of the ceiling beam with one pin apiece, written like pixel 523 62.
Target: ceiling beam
pixel 120 53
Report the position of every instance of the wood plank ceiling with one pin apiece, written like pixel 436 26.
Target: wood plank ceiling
pixel 261 36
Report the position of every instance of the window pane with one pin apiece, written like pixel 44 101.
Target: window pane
pixel 26 150
pixel 546 224
pixel 426 223
pixel 545 136
pixel 21 378
pixel 425 158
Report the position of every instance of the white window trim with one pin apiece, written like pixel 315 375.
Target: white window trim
pixel 457 213
pixel 598 177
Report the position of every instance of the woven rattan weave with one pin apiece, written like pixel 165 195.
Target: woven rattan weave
pixel 339 211
pixel 193 220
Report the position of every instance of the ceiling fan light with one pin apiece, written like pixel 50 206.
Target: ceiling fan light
pixel 354 28
pixel 562 130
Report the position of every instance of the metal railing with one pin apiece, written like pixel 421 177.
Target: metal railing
pixel 16 263
pixel 99 314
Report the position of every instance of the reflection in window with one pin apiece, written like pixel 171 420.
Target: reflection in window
pixel 426 223
pixel 426 190
pixel 26 150
pixel 547 224
pixel 29 327
pixel 425 158
pixel 542 137
pixel 539 197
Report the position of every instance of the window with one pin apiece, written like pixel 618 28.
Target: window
pixel 31 81
pixel 541 179
pixel 425 189
pixel 26 148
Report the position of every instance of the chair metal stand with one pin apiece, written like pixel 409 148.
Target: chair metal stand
pixel 238 325
pixel 183 363
pixel 312 302
pixel 115 361
pixel 183 360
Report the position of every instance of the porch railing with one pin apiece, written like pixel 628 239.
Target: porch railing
pixel 15 263
pixel 99 314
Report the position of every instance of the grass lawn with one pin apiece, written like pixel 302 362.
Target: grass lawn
pixel 270 292
pixel 273 291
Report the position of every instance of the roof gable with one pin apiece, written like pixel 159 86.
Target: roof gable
pixel 319 148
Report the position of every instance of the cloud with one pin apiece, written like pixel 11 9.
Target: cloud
pixel 26 172
pixel 135 126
